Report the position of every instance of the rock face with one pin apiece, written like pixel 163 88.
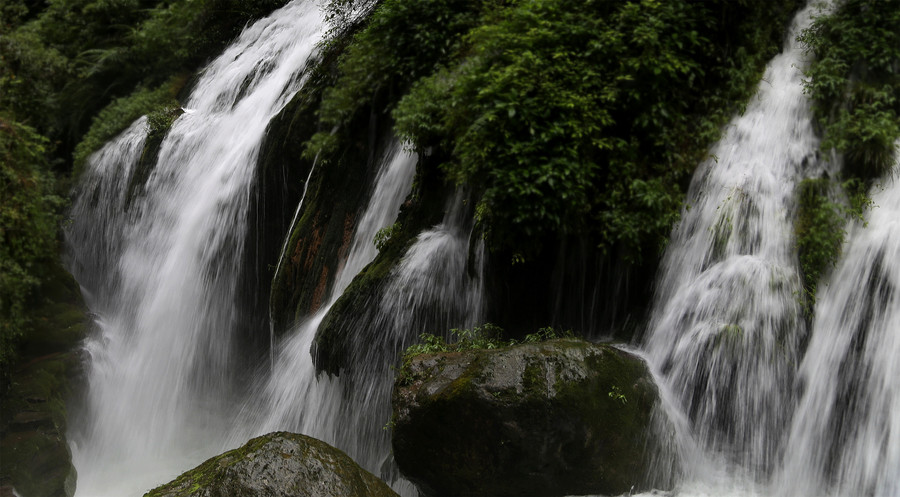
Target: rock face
pixel 34 455
pixel 277 465
pixel 553 418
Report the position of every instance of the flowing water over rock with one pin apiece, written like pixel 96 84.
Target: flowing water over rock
pixel 750 412
pixel 845 438
pixel 292 397
pixel 728 333
pixel 430 289
pixel 727 324
pixel 162 369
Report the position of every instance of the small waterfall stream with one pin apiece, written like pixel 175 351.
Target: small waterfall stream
pixel 845 438
pixel 727 325
pixel 292 396
pixel 161 274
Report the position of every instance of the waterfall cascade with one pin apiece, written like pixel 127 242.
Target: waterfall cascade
pixel 161 274
pixel 845 437
pixel 754 409
pixel 727 325
pixel 727 333
pixel 158 268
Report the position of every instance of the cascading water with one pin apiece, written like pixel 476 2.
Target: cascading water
pixel 845 438
pixel 293 398
pixel 161 377
pixel 430 287
pixel 727 327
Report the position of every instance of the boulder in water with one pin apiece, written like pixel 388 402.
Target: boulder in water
pixel 558 417
pixel 278 465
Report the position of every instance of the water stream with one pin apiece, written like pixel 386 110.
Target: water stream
pixel 160 275
pixel 727 326
pixel 845 437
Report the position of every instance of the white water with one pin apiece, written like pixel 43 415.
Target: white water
pixel 754 412
pixel 845 438
pixel 727 327
pixel 429 290
pixel 161 375
pixel 292 397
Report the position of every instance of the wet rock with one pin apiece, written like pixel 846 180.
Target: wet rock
pixel 277 465
pixel 554 418
pixel 34 455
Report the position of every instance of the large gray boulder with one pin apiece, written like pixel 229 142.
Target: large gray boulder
pixel 277 465
pixel 559 417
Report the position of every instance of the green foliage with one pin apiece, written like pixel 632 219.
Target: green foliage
pixel 820 227
pixel 487 336
pixel 400 42
pixel 385 234
pixel 616 394
pixel 28 227
pixel 157 103
pixel 31 74
pixel 67 62
pixel 586 117
pixel 855 82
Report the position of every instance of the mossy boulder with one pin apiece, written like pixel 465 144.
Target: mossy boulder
pixel 275 465
pixel 558 417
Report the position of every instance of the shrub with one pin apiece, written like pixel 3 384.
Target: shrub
pixel 855 82
pixel 587 117
pixel 28 226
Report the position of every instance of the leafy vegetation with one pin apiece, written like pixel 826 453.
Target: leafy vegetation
pixel 119 114
pixel 70 65
pixel 586 117
pixel 400 42
pixel 824 210
pixel 28 227
pixel 855 82
pixel 487 336
pixel 63 64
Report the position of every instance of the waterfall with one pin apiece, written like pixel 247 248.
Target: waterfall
pixel 161 275
pixel 429 290
pixel 291 396
pixel 727 328
pixel 845 438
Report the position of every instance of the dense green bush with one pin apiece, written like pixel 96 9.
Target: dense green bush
pixel 587 117
pixel 400 42
pixel 28 227
pixel 824 209
pixel 119 114
pixel 855 82
pixel 820 232
pixel 62 65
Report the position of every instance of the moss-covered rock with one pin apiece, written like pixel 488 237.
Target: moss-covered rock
pixel 355 322
pixel 34 454
pixel 554 418
pixel 335 184
pixel 275 465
